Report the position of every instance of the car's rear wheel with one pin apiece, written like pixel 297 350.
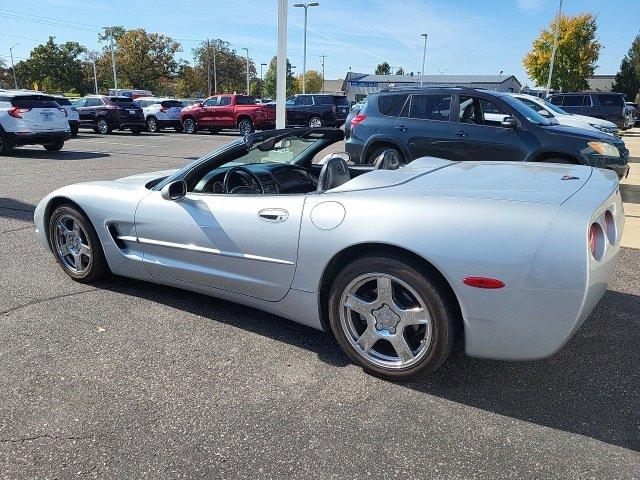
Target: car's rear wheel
pixel 102 126
pixel 315 122
pixel 152 124
pixel 245 126
pixel 54 147
pixel 76 245
pixel 74 130
pixel 189 126
pixel 378 151
pixel 391 318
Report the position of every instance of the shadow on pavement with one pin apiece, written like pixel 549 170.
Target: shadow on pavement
pixel 16 209
pixel 590 387
pixel 630 193
pixel 42 154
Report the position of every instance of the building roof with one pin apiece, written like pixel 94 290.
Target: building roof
pixel 333 86
pixel 430 79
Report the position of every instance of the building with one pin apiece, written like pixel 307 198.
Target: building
pixel 333 87
pixel 358 85
pixel 601 83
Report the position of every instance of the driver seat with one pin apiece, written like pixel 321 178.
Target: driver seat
pixel 334 173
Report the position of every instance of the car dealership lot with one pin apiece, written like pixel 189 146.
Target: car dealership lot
pixel 135 380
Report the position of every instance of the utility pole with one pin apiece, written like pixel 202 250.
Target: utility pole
pixel 208 69
pixel 215 72
pixel 323 73
pixel 92 57
pixel 281 62
pixel 262 78
pixel 13 68
pixel 555 46
pixel 304 55
pixel 113 64
pixel 247 50
pixel 424 56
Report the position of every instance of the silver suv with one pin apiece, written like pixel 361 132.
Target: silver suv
pixel 31 118
pixel 161 113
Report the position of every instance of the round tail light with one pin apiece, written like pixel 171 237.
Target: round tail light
pixel 610 227
pixel 596 241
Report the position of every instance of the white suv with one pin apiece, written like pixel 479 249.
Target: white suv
pixel 161 113
pixel 72 115
pixel 30 118
pixel 549 110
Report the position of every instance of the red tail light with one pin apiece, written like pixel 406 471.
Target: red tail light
pixel 63 111
pixel 358 119
pixel 16 112
pixel 483 282
pixel 596 239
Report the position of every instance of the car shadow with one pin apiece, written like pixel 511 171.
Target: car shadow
pixel 41 154
pixel 16 209
pixel 590 387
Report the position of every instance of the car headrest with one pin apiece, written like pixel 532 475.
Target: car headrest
pixel 334 173
pixel 388 160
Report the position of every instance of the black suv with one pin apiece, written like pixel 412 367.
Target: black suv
pixel 317 110
pixel 608 106
pixel 460 124
pixel 106 113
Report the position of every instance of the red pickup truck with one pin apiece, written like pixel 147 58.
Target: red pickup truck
pixel 228 111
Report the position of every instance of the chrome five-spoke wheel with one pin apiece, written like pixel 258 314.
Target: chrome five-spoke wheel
pixel 385 320
pixel 72 244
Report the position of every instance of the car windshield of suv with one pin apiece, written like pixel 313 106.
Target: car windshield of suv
pixel 124 101
pixel 528 112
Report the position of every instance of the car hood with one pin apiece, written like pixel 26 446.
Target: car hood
pixel 593 120
pixel 569 130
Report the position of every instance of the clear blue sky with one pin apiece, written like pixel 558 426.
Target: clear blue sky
pixel 465 36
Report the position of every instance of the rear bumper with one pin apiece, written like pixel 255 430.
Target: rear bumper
pixel 19 139
pixel 354 149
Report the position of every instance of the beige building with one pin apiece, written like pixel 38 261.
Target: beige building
pixel 601 83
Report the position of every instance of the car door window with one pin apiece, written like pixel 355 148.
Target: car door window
pixel 492 114
pixel 391 105
pixel 80 103
pixel 94 102
pixel 291 101
pixel 304 101
pixel 575 101
pixel 225 101
pixel 557 100
pixel 210 102
pixel 430 107
pixel 469 111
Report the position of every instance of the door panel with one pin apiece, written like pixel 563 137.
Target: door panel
pixel 223 241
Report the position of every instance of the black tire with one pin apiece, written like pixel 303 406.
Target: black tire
pixel 429 289
pixel 136 130
pixel 152 125
pixel 102 126
pixel 378 151
pixel 189 126
pixel 5 146
pixel 54 147
pixel 74 130
pixel 245 126
pixel 97 268
pixel 178 128
pixel 315 122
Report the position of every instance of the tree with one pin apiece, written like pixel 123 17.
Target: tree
pixel 270 80
pixel 383 69
pixel 576 56
pixel 231 68
pixel 628 78
pixel 54 67
pixel 400 71
pixel 313 81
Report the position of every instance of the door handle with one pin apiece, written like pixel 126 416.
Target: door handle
pixel 402 128
pixel 274 215
pixel 460 133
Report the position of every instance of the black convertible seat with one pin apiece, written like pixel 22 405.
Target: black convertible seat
pixel 334 173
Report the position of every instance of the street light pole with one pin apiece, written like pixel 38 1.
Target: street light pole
pixel 208 69
pixel 245 48
pixel 92 57
pixel 304 55
pixel 113 64
pixel 13 68
pixel 281 65
pixel 424 56
pixel 215 72
pixel 555 46
pixel 262 78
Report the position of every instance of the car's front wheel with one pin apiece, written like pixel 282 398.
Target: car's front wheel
pixel 189 126
pixel 102 126
pixel 315 122
pixel 391 318
pixel 245 126
pixel 152 124
pixel 76 245
pixel 54 147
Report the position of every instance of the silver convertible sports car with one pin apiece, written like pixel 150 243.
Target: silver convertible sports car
pixel 397 261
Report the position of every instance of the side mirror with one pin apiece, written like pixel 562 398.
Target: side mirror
pixel 509 122
pixel 544 113
pixel 174 190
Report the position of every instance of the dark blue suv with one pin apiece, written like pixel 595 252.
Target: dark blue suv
pixel 461 124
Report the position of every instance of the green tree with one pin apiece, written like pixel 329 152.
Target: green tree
pixel 270 80
pixel 231 68
pixel 628 78
pixel 383 69
pixel 400 71
pixel 576 56
pixel 54 67
pixel 313 81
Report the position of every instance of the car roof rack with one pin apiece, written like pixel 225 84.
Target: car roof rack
pixel 427 87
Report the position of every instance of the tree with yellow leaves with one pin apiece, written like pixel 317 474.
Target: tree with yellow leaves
pixel 576 56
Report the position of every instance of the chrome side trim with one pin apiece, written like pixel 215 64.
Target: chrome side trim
pixel 195 248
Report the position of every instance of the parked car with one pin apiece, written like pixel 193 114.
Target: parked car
pixel 355 110
pixel 607 106
pixel 228 111
pixel 104 114
pixel 451 123
pixel 72 114
pixel 161 113
pixel 396 262
pixel 635 113
pixel 549 110
pixel 317 110
pixel 28 118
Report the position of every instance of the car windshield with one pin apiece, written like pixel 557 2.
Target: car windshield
pixel 528 112
pixel 286 150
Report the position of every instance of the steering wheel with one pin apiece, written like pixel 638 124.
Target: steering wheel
pixel 257 185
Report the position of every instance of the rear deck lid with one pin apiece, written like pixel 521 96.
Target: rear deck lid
pixel 41 113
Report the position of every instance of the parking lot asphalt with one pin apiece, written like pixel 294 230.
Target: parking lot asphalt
pixel 131 380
